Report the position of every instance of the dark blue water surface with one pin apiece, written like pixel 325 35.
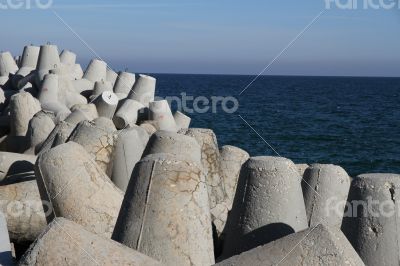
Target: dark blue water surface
pixel 352 122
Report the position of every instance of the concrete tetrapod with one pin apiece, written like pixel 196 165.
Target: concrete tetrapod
pixel 23 208
pixel 371 221
pixel 28 64
pixel 302 168
pixel 67 243
pixel 106 104
pixel 90 110
pixel 98 142
pixel 181 120
pixel 128 151
pixel 268 205
pixel 96 71
pixel 105 123
pixel 174 143
pixel 7 64
pixel 48 59
pixel 40 127
pixel 127 114
pixel 318 245
pixel 160 112
pixel 99 88
pixel 5 245
pixel 15 163
pixel 68 58
pixel 78 189
pixel 231 161
pixel 23 106
pixel 165 212
pixel 124 83
pixel 143 90
pixel 325 190
pixel 210 159
pixel 58 136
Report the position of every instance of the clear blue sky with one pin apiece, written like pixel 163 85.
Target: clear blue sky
pixel 215 36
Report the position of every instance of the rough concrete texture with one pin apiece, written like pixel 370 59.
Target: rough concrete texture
pixel 58 136
pixel 67 243
pixel 143 90
pixel 160 112
pixel 15 163
pixel 96 71
pixel 23 208
pixel 318 245
pixel 325 190
pixel 89 110
pixel 150 129
pixel 77 72
pixel 23 106
pixel 127 114
pixel 30 56
pixel 124 83
pixel 174 143
pixel 210 158
pixel 127 152
pixel 165 213
pixel 83 85
pixel 76 117
pixel 98 142
pixel 181 120
pixel 302 168
pixel 7 64
pixel 231 161
pixel 372 223
pixel 268 205
pixel 6 257
pixel 106 104
pixel 105 124
pixel 40 127
pixel 78 188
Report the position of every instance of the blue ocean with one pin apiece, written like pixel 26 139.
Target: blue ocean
pixel 351 122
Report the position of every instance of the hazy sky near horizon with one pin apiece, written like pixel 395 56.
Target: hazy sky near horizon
pixel 214 36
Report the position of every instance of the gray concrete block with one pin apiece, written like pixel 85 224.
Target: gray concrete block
pixel 58 136
pixel 124 83
pixel 78 188
pixel 127 152
pixel 106 104
pixel 23 209
pixel 7 64
pixel 128 113
pixel 67 243
pixel 143 90
pixel 371 221
pixel 96 71
pixel 15 163
pixel 23 106
pixel 302 168
pixel 325 190
pixel 111 76
pixel 68 58
pixel 210 159
pixel 165 213
pixel 160 112
pixel 181 120
pixel 318 245
pixel 98 142
pixel 268 205
pixel 231 161
pixel 174 143
pixel 90 110
pixel 99 88
pixel 39 129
